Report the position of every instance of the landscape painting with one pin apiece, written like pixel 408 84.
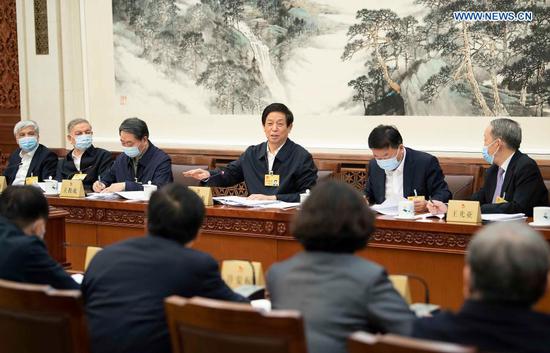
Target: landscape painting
pixel 332 57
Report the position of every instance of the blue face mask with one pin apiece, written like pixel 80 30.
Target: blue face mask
pixel 485 152
pixel 28 144
pixel 131 152
pixel 83 142
pixel 388 164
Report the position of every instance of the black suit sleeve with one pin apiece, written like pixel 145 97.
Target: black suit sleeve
pixel 13 164
pixel 228 176
pixel 306 179
pixel 371 185
pixel 41 268
pixel 59 171
pixel 527 181
pixel 104 162
pixel 213 285
pixel 49 166
pixel 435 181
pixel 109 176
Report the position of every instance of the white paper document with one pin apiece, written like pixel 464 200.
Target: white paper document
pixel 103 196
pixel 246 202
pixel 261 304
pixel 78 277
pixel 493 217
pixel 133 195
pixel 388 207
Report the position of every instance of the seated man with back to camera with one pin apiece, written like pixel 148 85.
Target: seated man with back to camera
pixel 278 169
pixel 31 159
pixel 506 273
pixel 126 283
pixel 336 291
pixel 397 171
pixel 141 162
pixel 23 254
pixel 84 162
pixel 513 183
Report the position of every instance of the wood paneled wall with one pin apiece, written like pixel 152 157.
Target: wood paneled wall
pixel 10 111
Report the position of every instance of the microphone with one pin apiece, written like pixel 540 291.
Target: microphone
pixel 87 168
pixel 13 165
pixel 83 170
pixel 213 174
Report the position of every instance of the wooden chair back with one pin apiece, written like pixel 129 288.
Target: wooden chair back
pixel 213 326
pixel 37 318
pixel 91 251
pixel 363 342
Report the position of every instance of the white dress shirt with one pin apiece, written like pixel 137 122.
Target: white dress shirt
pixel 394 180
pixel 76 160
pixel 26 158
pixel 271 156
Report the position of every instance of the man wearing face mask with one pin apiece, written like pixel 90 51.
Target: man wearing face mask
pixel 141 162
pixel 397 171
pixel 513 183
pixel 84 162
pixel 31 159
pixel 23 254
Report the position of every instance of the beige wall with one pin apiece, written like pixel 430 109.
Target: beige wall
pixel 77 79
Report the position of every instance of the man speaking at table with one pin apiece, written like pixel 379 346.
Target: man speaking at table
pixel 278 169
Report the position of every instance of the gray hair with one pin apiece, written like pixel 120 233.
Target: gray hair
pixel 508 131
pixel 23 124
pixel 508 262
pixel 75 122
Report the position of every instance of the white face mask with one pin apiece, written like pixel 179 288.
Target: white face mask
pixel 390 163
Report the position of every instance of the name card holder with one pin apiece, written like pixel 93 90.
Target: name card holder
pixel 416 198
pixel 205 193
pixel 72 189
pixel 79 176
pixel 467 212
pixel 31 180
pixel 3 183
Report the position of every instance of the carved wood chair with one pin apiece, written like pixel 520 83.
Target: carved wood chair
pixel 37 318
pixel 216 326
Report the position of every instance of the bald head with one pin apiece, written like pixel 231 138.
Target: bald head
pixel 508 262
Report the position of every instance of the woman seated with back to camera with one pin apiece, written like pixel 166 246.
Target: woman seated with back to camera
pixel 337 292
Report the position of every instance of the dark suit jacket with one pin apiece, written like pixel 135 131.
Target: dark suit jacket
pixel 43 164
pixel 94 162
pixel 292 163
pixel 155 166
pixel 523 186
pixel 491 327
pixel 125 286
pixel 24 258
pixel 337 294
pixel 421 172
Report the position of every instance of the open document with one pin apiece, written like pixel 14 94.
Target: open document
pixel 133 195
pixel 102 196
pixel 246 202
pixel 388 207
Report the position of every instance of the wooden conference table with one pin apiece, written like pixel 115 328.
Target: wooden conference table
pixel 55 235
pixel 433 250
